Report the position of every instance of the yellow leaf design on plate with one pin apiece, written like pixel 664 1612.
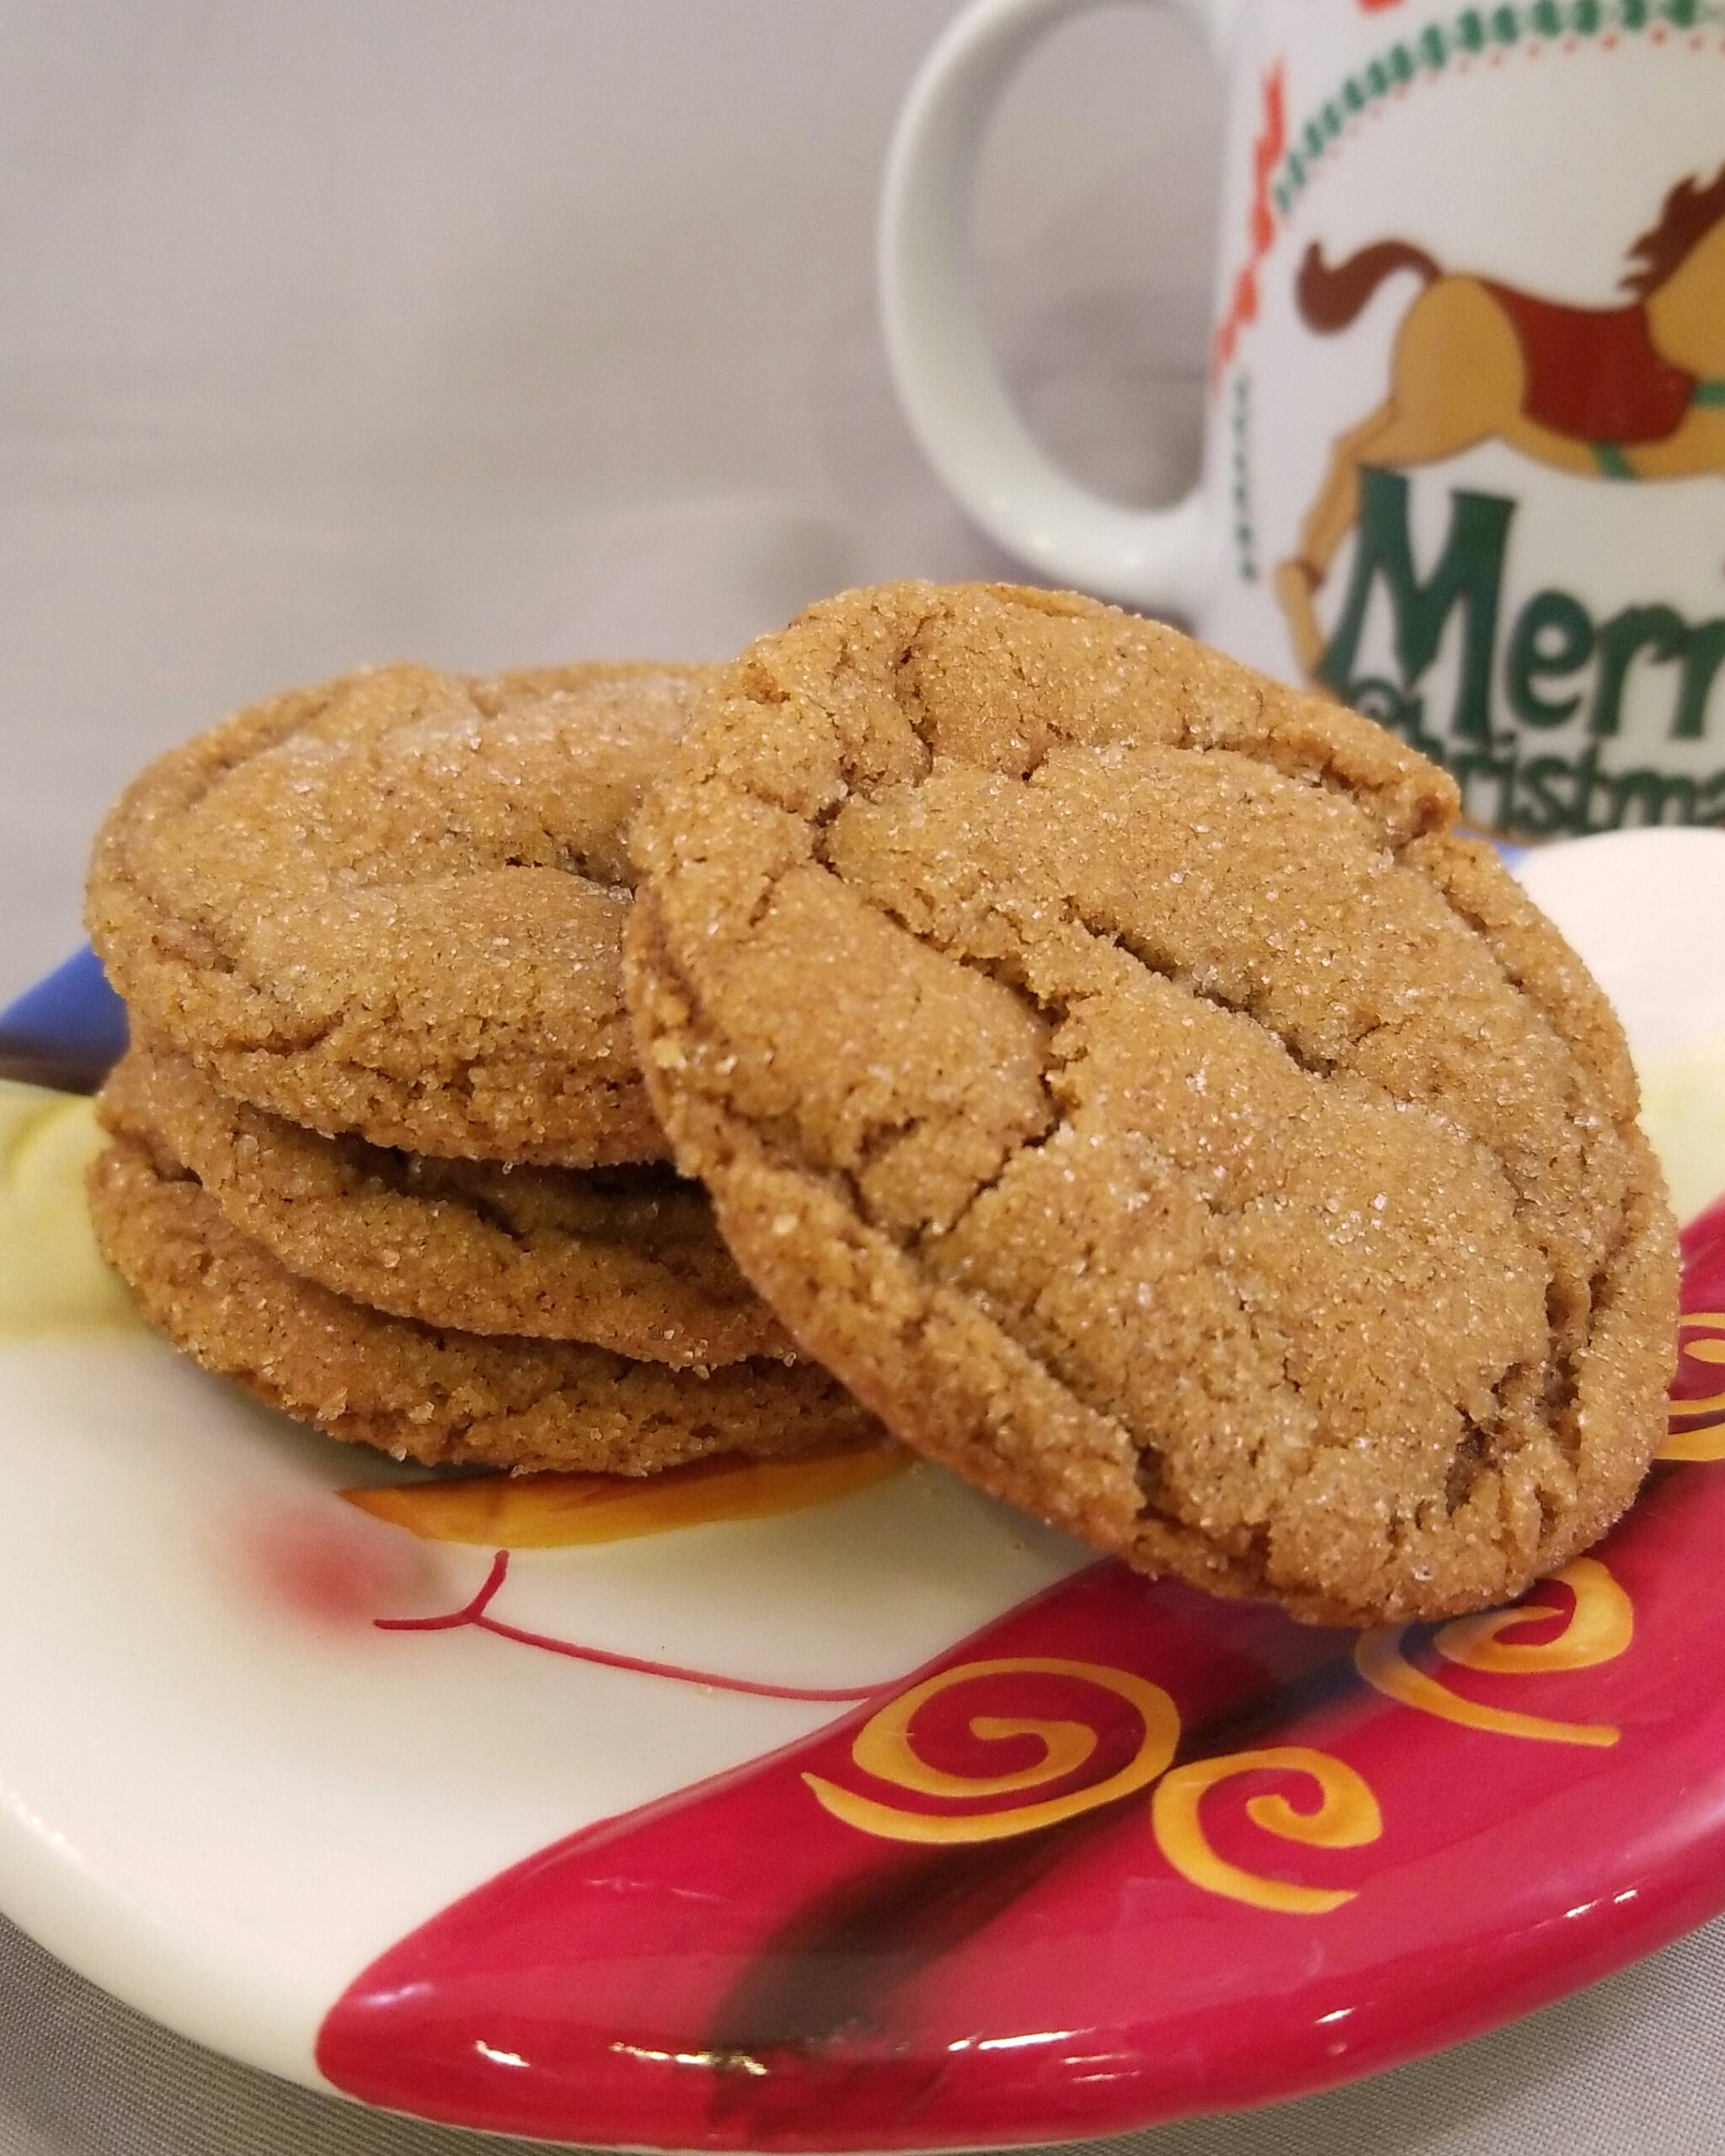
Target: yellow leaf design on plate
pixel 51 1274
pixel 550 1512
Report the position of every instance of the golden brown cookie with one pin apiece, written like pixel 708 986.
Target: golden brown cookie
pixel 1110 1063
pixel 418 1392
pixel 626 1257
pixel 392 906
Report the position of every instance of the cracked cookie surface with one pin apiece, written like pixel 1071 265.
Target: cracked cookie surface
pixel 420 1392
pixel 628 1257
pixel 1113 1065
pixel 392 905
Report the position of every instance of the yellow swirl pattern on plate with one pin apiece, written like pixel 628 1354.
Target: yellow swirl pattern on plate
pixel 1698 1425
pixel 1346 1817
pixel 884 1751
pixel 1598 1628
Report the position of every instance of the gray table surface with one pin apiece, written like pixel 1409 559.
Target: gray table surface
pixel 341 330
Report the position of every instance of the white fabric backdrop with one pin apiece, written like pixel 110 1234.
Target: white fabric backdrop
pixel 339 330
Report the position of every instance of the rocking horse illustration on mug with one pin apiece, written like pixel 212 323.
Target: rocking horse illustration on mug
pixel 1636 392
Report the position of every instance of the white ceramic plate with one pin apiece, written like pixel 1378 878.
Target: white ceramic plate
pixel 225 1790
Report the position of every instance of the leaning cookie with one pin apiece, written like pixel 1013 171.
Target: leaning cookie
pixel 627 1257
pixel 1111 1064
pixel 392 906
pixel 418 1392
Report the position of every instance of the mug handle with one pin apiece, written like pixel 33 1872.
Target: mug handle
pixel 946 376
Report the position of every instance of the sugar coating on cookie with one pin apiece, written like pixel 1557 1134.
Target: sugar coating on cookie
pixel 420 1392
pixel 626 1257
pixel 1113 1067
pixel 392 905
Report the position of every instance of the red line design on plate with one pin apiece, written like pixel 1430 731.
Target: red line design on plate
pixel 476 1613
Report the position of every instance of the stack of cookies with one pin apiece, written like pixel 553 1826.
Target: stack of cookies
pixel 381 1151
pixel 1112 1064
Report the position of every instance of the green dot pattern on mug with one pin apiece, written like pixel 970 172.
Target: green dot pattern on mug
pixel 1475 31
pixel 1240 490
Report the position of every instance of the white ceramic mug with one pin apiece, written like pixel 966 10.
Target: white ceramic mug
pixel 1465 450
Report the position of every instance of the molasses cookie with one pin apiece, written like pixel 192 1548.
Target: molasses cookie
pixel 1114 1067
pixel 416 1392
pixel 626 1257
pixel 392 906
